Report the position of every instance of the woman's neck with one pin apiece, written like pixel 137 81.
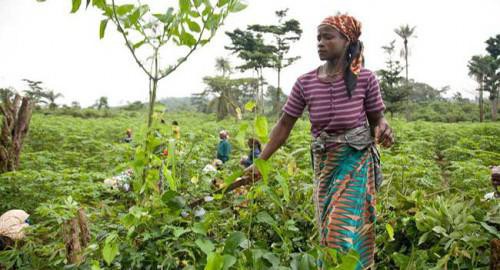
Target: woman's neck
pixel 333 67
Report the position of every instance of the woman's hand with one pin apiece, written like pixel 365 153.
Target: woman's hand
pixel 383 133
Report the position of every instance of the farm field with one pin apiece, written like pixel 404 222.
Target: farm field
pixel 430 210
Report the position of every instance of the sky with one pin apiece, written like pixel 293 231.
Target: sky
pixel 43 41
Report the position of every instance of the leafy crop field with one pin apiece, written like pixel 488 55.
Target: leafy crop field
pixel 431 211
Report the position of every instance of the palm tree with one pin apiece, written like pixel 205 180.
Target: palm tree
pixel 223 65
pixel 51 96
pixel 405 32
pixel 480 68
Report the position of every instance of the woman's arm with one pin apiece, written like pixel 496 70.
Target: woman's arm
pixel 381 129
pixel 278 135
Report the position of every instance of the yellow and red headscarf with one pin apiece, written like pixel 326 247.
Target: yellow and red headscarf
pixel 351 29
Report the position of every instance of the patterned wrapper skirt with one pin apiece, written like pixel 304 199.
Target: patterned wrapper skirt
pixel 345 200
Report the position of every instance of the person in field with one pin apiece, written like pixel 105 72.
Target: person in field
pixel 176 130
pixel 224 147
pixel 495 182
pixel 255 149
pixel 346 114
pixel 12 224
pixel 128 135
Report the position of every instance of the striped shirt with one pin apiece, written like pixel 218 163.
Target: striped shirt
pixel 330 108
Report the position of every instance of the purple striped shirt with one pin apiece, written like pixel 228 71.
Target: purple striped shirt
pixel 329 106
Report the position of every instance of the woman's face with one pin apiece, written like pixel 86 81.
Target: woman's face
pixel 331 43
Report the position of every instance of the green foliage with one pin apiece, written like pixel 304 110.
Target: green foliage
pixel 430 204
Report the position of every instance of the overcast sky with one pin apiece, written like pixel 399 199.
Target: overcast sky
pixel 43 41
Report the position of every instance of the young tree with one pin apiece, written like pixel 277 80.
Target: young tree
pixel 393 91
pixel 493 84
pixel 284 33
pixel 36 92
pixel 250 47
pixel 193 24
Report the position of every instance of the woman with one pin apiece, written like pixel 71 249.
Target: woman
pixel 255 149
pixel 12 224
pixel 341 97
pixel 224 147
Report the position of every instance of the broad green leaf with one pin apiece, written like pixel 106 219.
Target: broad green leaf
pixel 173 199
pixel 349 261
pixel 283 182
pixel 205 245
pixel 390 231
pixel 207 4
pixel 193 26
pixel 490 229
pixel 75 5
pixel 214 262
pixel 139 44
pixel 110 249
pixel 95 265
pixel 261 128
pixel 233 242
pixel 401 260
pixel 228 261
pixel 423 238
pixel 172 184
pixel 264 217
pixel 178 231
pixel 102 28
pixel 242 132
pixel 169 15
pixel 439 230
pixel 101 4
pixel 250 105
pixel 197 3
pixel 187 39
pixel 134 17
pixel 185 5
pixel 221 3
pixel 271 258
pixel 237 6
pixel 229 180
pixel 124 9
pixel 307 262
pixel 199 228
pixel 264 168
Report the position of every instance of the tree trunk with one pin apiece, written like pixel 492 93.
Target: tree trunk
pixel 406 58
pixel 494 107
pixel 261 93
pixel 76 235
pixel 407 111
pixel 16 112
pixel 481 107
pixel 278 92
